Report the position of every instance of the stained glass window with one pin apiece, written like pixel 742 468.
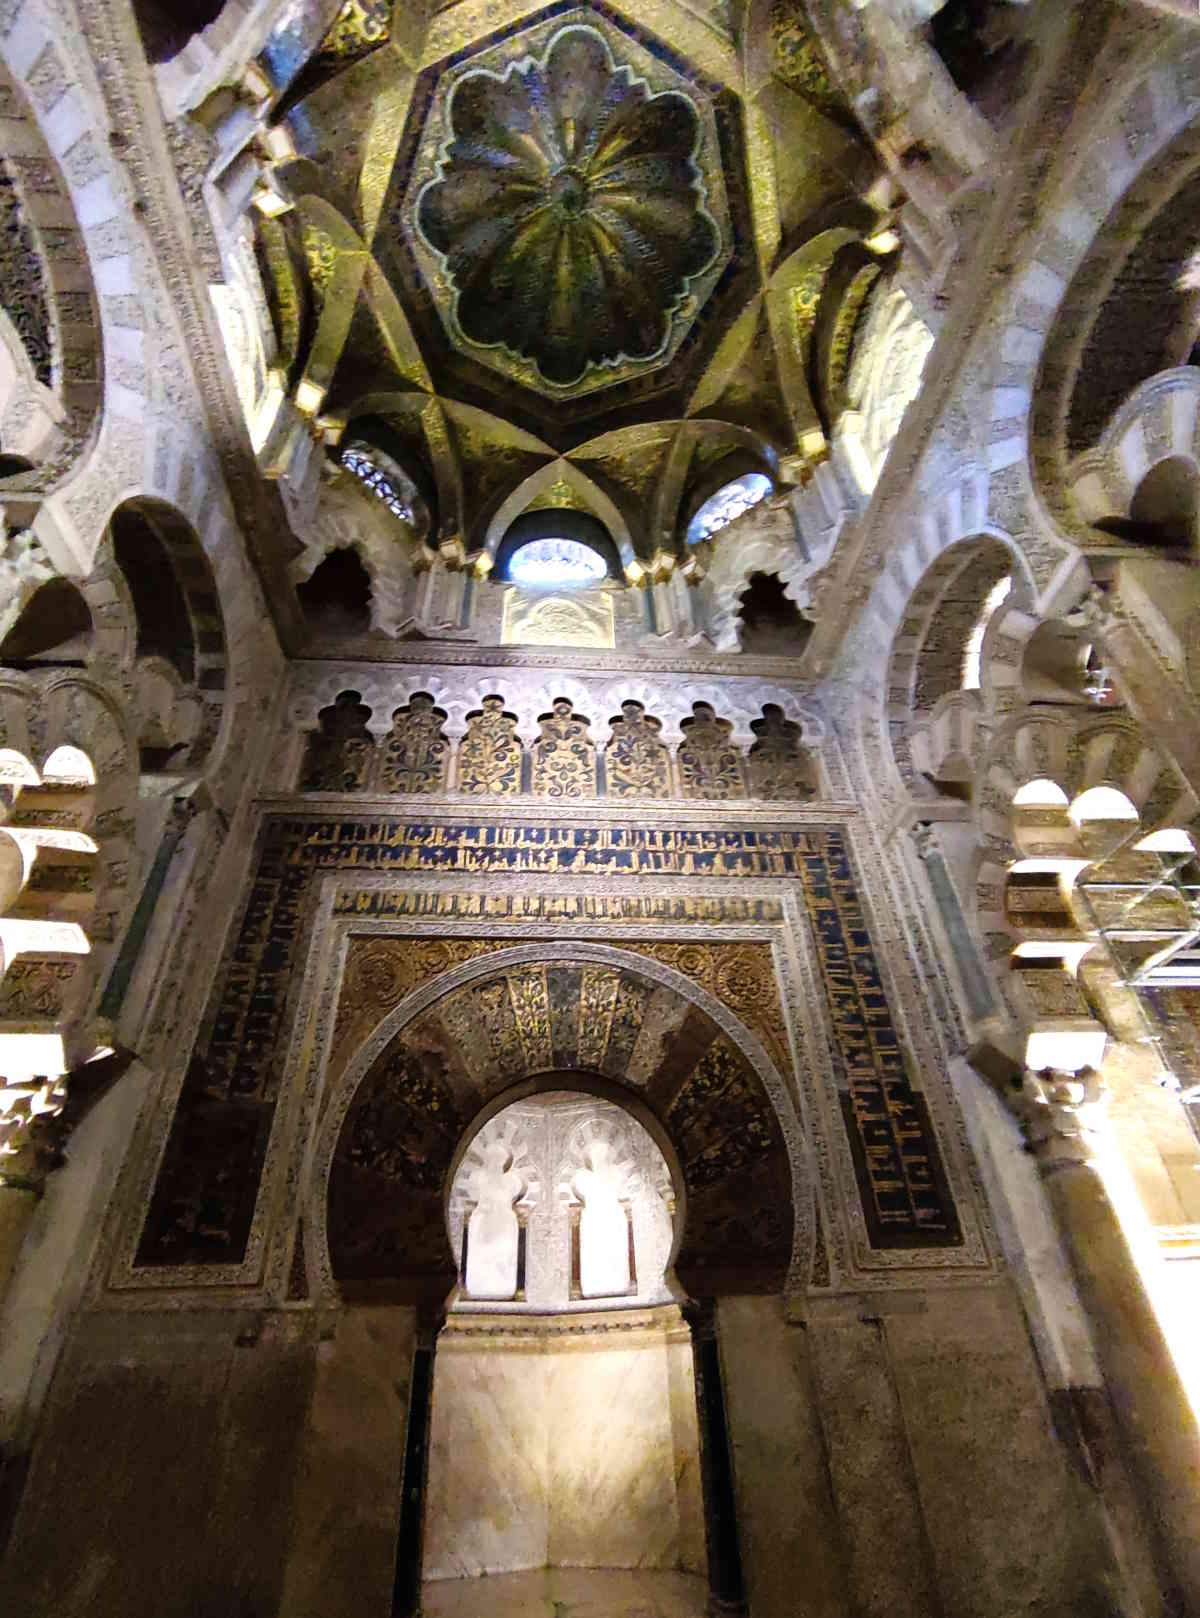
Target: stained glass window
pixel 556 564
pixel 730 501
pixel 386 481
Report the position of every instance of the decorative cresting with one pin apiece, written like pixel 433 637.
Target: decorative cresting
pixel 636 763
pixel 416 754
pixel 568 215
pixel 340 753
pixel 778 767
pixel 386 1220
pixel 710 765
pixel 489 759
pixel 564 757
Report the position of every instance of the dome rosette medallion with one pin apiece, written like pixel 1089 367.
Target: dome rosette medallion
pixel 568 208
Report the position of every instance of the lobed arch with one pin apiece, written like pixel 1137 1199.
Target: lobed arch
pixel 1075 755
pixel 40 716
pixel 786 1269
pixel 596 698
pixel 1156 99
pixel 763 541
pixel 583 489
pixel 1156 428
pixel 52 378
pixel 927 663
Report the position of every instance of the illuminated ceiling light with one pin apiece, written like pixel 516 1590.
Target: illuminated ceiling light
pixel 556 564
pixel 729 503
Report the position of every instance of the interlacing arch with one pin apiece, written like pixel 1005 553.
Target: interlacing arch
pixel 936 660
pixel 55 887
pixel 1060 803
pixel 80 765
pixel 1140 481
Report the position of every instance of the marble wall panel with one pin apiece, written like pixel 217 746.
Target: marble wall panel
pixel 611 1471
pixel 871 1470
pixel 787 1524
pixel 576 1451
pixel 163 1479
pixel 486 1509
pixel 1014 1528
pixel 347 1502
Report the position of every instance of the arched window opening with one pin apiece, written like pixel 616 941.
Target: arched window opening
pixel 55 626
pixel 166 26
pixel 12 466
pixel 336 598
pixel 1171 840
pixel 164 625
pixel 387 480
pixel 556 564
pixel 68 766
pixel 557 549
pixel 771 623
pixel 727 503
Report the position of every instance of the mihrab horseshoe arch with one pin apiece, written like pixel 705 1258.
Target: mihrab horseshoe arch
pixel 711 1067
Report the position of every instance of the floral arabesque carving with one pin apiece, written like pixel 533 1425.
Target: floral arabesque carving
pixel 489 758
pixel 564 757
pixel 339 754
pixel 778 766
pixel 710 765
pixel 416 753
pixel 636 762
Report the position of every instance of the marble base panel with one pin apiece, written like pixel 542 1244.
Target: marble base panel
pixel 569 1593
pixel 553 1450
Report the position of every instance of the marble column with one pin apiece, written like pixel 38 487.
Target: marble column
pixel 1153 1426
pixel 725 1583
pixel 183 811
pixel 406 1592
pixel 18 1198
pixel 972 973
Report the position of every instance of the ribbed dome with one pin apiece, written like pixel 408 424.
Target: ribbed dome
pixel 569 211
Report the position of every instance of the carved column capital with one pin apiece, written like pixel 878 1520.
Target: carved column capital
pixel 1098 611
pixel 1059 1112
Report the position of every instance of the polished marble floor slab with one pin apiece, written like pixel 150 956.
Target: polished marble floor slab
pixel 568 1593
